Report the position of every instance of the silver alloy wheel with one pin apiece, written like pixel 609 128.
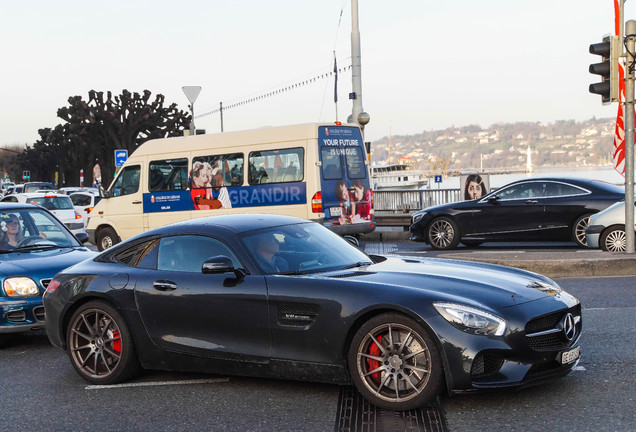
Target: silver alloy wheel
pixel 441 233
pixel 95 343
pixel 615 241
pixel 579 230
pixel 394 362
pixel 106 242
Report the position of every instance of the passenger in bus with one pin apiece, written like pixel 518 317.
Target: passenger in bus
pixel 363 199
pixel 346 206
pixel 267 248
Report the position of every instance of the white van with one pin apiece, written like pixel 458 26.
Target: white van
pixel 316 171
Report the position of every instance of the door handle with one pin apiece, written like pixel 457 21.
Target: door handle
pixel 532 202
pixel 164 285
pixel 136 202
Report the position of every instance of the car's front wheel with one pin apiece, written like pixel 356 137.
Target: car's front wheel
pixel 106 238
pixel 614 239
pixel 100 345
pixel 578 231
pixel 443 233
pixel 394 363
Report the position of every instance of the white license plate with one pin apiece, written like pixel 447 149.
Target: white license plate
pixel 570 356
pixel 335 211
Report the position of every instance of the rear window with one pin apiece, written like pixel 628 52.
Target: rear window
pixel 53 203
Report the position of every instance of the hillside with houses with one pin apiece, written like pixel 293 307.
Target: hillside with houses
pixel 502 146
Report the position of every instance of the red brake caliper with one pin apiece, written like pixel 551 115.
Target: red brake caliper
pixel 117 342
pixel 375 351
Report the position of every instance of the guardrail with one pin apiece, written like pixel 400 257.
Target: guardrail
pixel 389 201
pixel 393 207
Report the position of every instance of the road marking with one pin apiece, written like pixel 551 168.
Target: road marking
pixel 578 368
pixel 157 383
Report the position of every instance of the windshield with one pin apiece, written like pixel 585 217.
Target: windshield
pixel 23 229
pixel 300 249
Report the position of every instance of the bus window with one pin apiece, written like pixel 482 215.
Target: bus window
pixel 228 168
pixel 276 166
pixel 355 163
pixel 331 164
pixel 127 181
pixel 167 175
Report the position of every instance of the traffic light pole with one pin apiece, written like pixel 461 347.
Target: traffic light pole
pixel 630 34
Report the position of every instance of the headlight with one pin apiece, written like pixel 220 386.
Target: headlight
pixel 20 287
pixel 471 320
pixel 418 216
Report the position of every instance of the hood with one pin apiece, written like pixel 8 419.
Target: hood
pixel 462 281
pixel 41 264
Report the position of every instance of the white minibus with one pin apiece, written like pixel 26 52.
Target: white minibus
pixel 315 171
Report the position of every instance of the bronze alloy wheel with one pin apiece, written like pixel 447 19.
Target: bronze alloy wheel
pixel 99 344
pixel 394 363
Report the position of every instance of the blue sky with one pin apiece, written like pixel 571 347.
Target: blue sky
pixel 425 64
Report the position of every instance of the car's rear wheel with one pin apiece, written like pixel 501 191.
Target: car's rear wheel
pixel 578 231
pixel 443 233
pixel 394 363
pixel 106 238
pixel 614 239
pixel 100 345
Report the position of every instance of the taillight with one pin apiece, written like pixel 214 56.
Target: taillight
pixel 316 203
pixel 77 215
pixel 371 190
pixel 88 209
pixel 52 286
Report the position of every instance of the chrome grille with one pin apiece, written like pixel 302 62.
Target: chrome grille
pixel 45 283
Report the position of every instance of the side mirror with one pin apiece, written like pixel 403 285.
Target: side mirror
pixel 103 192
pixel 82 237
pixel 351 239
pixel 220 264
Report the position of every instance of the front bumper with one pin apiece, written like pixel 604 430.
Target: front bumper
pixel 516 359
pixel 593 235
pixel 21 315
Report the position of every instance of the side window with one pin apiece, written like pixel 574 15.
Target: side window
pixel 168 175
pixel 142 255
pixel 127 181
pixel 276 166
pixel 519 191
pixel 187 253
pixel 217 171
pixel 562 189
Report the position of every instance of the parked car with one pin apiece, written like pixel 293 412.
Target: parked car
pixel 37 186
pixel 84 202
pixel 541 209
pixel 34 246
pixel 206 295
pixel 607 229
pixel 60 205
pixel 72 189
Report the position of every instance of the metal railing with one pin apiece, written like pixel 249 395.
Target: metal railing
pixel 396 201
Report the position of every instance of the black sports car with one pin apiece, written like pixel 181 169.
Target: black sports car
pixel 540 209
pixel 277 296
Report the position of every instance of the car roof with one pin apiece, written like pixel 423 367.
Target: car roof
pixel 236 223
pixel 41 194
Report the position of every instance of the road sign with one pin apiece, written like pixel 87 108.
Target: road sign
pixel 438 179
pixel 120 157
pixel 191 92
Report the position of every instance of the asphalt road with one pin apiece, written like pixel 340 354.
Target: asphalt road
pixel 40 391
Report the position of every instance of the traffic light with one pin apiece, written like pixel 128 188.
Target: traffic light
pixel 610 50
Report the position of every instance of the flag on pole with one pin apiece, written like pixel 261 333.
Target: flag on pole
pixel 619 133
pixel 335 71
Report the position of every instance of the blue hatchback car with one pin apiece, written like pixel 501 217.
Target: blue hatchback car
pixel 34 247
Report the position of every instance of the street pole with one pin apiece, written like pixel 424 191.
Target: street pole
pixel 630 34
pixel 221 111
pixel 357 114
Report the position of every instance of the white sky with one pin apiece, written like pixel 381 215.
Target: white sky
pixel 426 64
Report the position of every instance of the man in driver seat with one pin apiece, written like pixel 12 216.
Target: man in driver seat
pixel 266 255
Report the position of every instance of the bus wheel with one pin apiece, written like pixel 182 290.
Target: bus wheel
pixel 107 237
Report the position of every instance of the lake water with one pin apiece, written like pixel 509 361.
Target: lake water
pixel 607 174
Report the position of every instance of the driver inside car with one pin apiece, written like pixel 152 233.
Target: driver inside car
pixel 266 255
pixel 11 232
